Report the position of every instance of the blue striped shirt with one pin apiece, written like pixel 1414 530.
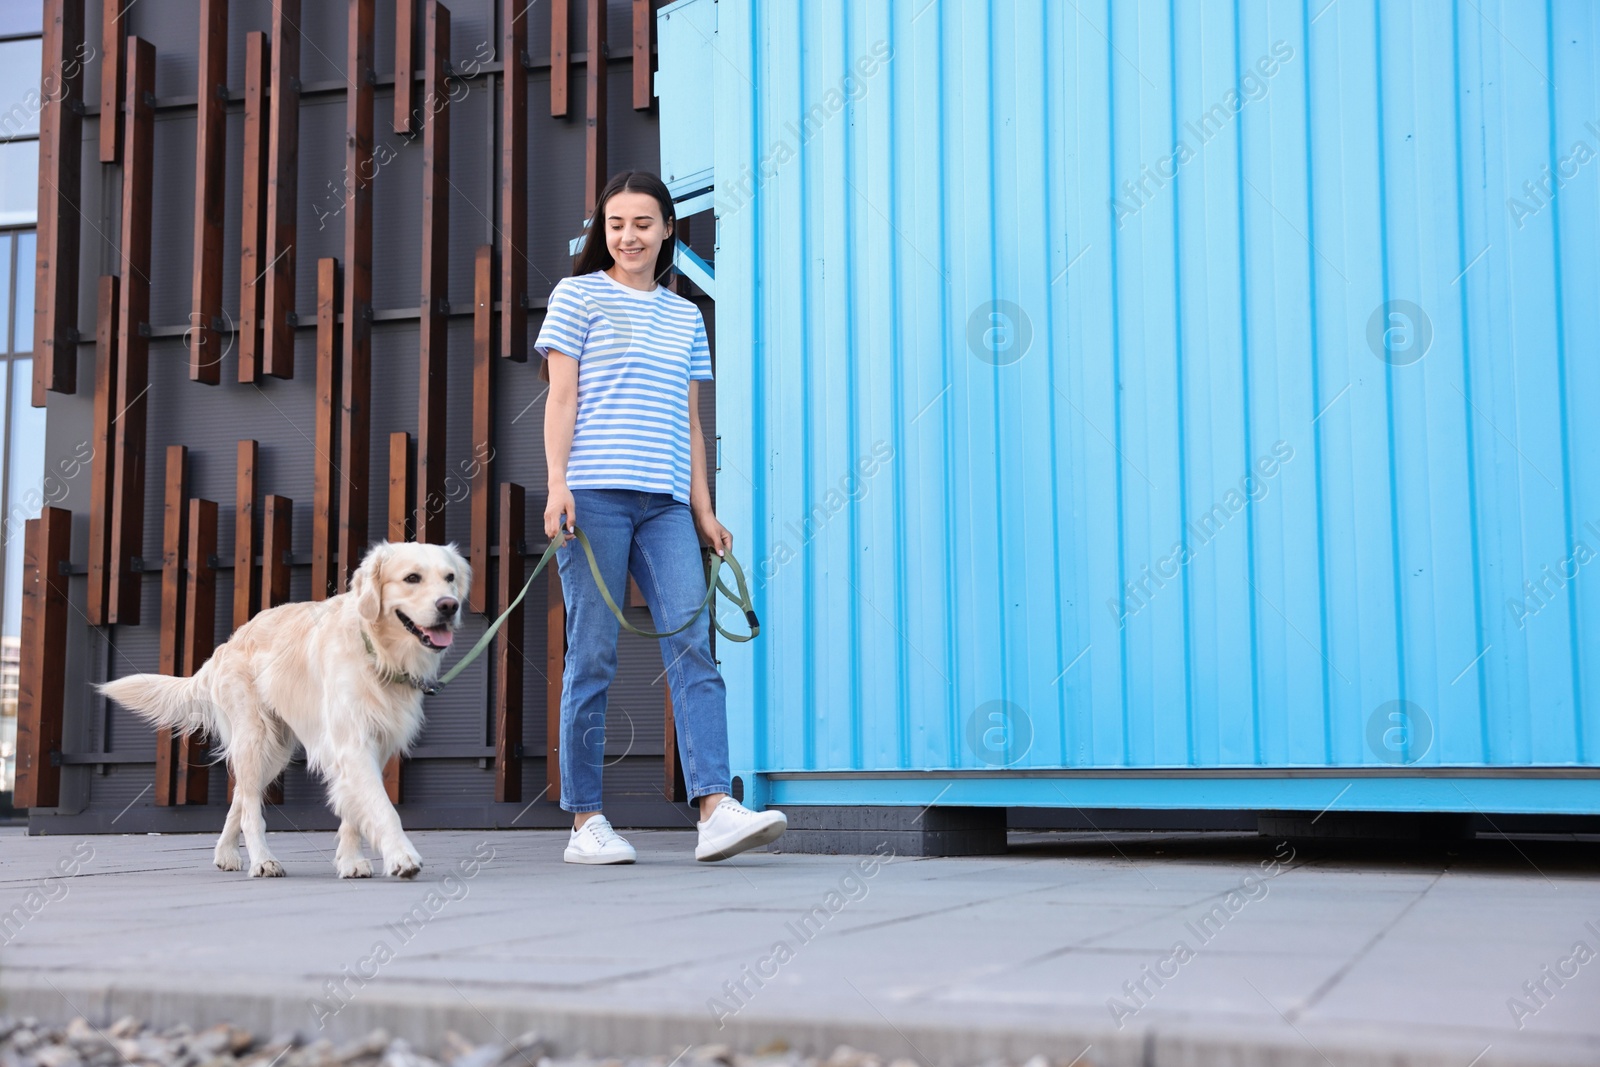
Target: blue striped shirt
pixel 636 353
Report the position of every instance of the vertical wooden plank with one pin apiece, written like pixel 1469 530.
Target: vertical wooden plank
pixel 555 658
pixel 325 504
pixel 672 786
pixel 513 182
pixel 113 41
pixel 644 24
pixel 277 526
pixel 133 354
pixel 560 56
pixel 402 479
pixel 482 425
pixel 433 352
pixel 199 640
pixel 283 168
pixel 211 131
pixel 55 310
pixel 405 70
pixel 594 137
pixel 246 589
pixel 42 680
pixel 508 650
pixel 355 420
pixel 101 471
pixel 174 527
pixel 391 779
pixel 253 243
pixel 680 283
pixel 174 531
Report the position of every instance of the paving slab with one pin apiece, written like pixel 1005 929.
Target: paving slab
pixel 1090 949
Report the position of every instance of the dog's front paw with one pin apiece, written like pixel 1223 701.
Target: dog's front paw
pixel 357 868
pixel 404 863
pixel 226 859
pixel 266 869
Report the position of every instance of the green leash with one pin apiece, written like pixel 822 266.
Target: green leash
pixel 713 565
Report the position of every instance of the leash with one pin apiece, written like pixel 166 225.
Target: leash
pixel 713 566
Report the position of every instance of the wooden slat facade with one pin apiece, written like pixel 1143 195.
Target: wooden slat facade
pixel 355 417
pixel 55 311
pixel 199 641
pixel 113 41
pixel 42 672
pixel 672 786
pixel 325 477
pixel 560 56
pixel 405 71
pixel 391 779
pixel 555 656
pixel 174 533
pixel 514 182
pixel 101 471
pixel 433 348
pixel 277 531
pixel 644 29
pixel 283 169
pixel 508 645
pixel 594 135
pixel 402 487
pixel 340 444
pixel 133 355
pixel 246 586
pixel 402 481
pixel 482 426
pixel 253 204
pixel 211 131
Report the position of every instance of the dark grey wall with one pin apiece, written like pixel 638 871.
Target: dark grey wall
pixel 210 420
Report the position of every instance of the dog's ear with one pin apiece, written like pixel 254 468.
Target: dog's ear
pixel 461 566
pixel 367 582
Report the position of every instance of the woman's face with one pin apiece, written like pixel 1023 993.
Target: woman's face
pixel 634 232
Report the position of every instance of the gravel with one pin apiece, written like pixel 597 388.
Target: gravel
pixel 130 1043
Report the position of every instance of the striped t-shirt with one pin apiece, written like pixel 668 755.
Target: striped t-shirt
pixel 636 352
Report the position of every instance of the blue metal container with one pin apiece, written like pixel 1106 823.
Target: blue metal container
pixel 1155 404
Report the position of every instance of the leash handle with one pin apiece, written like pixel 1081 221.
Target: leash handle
pixel 711 561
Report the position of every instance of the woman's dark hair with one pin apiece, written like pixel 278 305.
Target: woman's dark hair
pixel 594 255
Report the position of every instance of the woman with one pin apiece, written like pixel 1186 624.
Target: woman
pixel 624 357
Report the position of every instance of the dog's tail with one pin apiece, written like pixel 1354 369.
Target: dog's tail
pixel 182 705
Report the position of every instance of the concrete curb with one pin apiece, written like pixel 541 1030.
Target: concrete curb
pixel 423 1013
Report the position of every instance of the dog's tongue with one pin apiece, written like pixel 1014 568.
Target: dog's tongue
pixel 440 635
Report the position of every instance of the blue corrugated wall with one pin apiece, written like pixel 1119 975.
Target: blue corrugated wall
pixel 1160 384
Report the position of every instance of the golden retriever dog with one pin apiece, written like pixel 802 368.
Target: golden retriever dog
pixel 345 676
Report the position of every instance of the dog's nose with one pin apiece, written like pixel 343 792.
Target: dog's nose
pixel 447 605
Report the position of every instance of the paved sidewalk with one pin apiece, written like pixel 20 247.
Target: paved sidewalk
pixel 1309 955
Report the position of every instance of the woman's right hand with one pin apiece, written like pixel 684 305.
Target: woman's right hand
pixel 560 502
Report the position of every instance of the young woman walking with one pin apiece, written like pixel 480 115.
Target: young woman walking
pixel 624 357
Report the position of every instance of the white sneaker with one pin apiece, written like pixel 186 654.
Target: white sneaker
pixel 733 828
pixel 597 842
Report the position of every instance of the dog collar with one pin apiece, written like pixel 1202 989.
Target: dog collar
pixel 388 676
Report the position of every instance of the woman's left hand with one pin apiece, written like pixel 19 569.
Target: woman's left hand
pixel 712 532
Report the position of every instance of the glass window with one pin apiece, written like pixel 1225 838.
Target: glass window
pixel 5 292
pixel 19 183
pixel 20 100
pixel 24 469
pixel 21 16
pixel 9 660
pixel 27 243
pixel 24 485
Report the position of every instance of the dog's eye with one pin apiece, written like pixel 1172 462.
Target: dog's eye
pixel 450 578
pixel 413 578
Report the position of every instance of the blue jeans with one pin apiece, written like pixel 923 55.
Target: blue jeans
pixel 653 537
